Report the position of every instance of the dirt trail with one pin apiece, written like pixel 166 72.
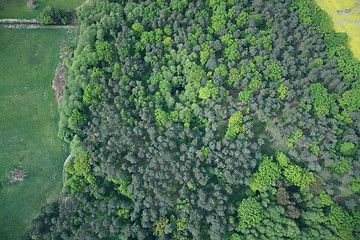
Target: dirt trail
pixel 12 20
pixel 63 174
pixel 77 8
pixel 343 189
pixel 33 26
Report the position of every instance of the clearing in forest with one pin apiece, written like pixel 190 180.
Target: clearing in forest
pixel 28 126
pixel 345 17
pixel 18 8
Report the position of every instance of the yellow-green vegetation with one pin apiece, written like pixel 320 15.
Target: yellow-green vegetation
pixel 345 17
pixel 28 116
pixel 18 8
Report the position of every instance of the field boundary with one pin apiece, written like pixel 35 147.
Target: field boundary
pixel 34 26
pixel 15 20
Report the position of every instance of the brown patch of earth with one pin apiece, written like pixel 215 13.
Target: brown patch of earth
pixel 59 82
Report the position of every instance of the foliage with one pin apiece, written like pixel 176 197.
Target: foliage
pixel 166 127
pixel 160 226
pixel 298 176
pixel 243 96
pixel 76 147
pixel 180 224
pixel 347 148
pixel 92 94
pixel 105 51
pixel 343 166
pixel 268 172
pixel 53 15
pixel 323 100
pixel 282 90
pixel 250 212
pixel 234 126
pixel 341 219
pixel 81 165
pixel 325 199
pixel 283 160
pixel 209 90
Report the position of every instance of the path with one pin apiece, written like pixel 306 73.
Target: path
pixel 77 8
pixel 32 26
pixel 63 174
pixel 12 20
pixel 343 189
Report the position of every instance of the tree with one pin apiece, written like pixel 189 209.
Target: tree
pixel 234 126
pixel 105 51
pixel 160 226
pixel 53 15
pixel 268 172
pixel 92 94
pixel 250 212
pixel 341 219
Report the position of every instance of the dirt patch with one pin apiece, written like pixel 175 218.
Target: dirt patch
pixel 32 4
pixel 59 82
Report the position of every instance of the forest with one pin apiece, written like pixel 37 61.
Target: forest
pixel 210 119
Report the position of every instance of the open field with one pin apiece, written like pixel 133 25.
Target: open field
pixel 345 16
pixel 18 8
pixel 28 125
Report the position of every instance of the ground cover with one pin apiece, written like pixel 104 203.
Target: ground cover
pixel 28 131
pixel 18 8
pixel 345 17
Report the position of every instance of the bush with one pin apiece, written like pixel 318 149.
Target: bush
pixel 32 5
pixel 54 16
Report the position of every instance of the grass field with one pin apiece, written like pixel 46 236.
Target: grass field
pixel 345 16
pixel 28 125
pixel 18 8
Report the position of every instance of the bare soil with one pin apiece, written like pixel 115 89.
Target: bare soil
pixel 59 82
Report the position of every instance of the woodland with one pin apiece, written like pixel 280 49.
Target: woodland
pixel 210 119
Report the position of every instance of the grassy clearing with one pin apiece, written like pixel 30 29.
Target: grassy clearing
pixel 28 125
pixel 18 8
pixel 345 16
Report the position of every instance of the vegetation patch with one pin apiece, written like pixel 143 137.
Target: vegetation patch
pixel 166 106
pixel 24 10
pixel 345 17
pixel 28 143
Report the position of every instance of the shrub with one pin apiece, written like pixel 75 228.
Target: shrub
pixel 53 16
pixel 32 4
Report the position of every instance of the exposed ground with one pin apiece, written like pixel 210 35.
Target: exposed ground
pixel 59 82
pixel 345 16
pixel 28 125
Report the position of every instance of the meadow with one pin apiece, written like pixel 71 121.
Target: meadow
pixel 28 125
pixel 18 8
pixel 345 17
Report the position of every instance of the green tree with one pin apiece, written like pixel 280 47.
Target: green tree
pixel 160 226
pixel 340 218
pixel 250 212
pixel 348 148
pixel 81 165
pixel 268 172
pixel 282 90
pixel 138 28
pixel 105 51
pixel 92 94
pixel 53 15
pixel 234 125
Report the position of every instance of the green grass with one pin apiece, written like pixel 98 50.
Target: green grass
pixel 18 8
pixel 345 17
pixel 28 125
